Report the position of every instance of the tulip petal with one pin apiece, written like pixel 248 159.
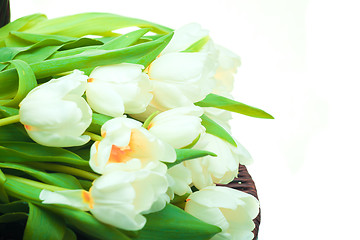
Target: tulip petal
pixel 71 198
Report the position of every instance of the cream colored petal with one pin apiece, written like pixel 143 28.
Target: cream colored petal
pixel 181 177
pixel 53 139
pixel 117 73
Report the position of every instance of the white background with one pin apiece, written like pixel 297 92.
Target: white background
pixel 300 62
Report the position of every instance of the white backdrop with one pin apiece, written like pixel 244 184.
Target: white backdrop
pixel 300 63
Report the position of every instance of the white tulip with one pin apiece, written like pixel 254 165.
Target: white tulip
pixel 54 113
pixel 118 198
pixel 209 170
pixel 115 89
pixel 127 145
pixel 178 127
pixel 231 210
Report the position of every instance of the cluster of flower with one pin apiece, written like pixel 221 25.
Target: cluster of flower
pixel 130 155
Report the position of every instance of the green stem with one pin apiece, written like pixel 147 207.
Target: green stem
pixel 94 136
pixel 66 169
pixel 9 120
pixel 35 183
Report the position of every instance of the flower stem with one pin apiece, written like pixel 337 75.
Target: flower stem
pixel 94 136
pixel 9 120
pixel 35 183
pixel 66 169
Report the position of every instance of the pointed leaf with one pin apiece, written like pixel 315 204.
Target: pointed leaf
pixel 43 225
pixel 34 38
pixel 124 40
pixel 213 100
pixel 13 217
pixel 198 45
pixel 215 129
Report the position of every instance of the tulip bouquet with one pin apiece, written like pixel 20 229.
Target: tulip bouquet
pixel 118 136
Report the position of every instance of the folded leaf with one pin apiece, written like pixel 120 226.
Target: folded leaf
pixel 27 82
pixel 13 217
pixel 213 100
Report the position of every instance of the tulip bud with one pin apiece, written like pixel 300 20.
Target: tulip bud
pixel 115 89
pixel 54 113
pixel 209 170
pixel 129 146
pixel 231 210
pixel 178 127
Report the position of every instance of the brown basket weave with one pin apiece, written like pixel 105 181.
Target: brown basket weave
pixel 247 185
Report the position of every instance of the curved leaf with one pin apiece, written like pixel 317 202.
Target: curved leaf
pixel 187 154
pixel 16 206
pixel 13 217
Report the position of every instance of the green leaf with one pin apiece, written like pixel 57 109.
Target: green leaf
pixel 101 24
pixel 97 121
pixel 81 42
pixel 215 129
pixel 32 152
pixel 69 235
pixel 16 206
pixel 187 154
pixel 3 195
pixel 149 119
pixel 124 40
pixel 21 190
pixel 87 59
pixel 8 111
pixel 213 100
pixel 87 224
pixel 27 82
pixel 13 217
pixel 198 45
pixel 57 179
pixel 71 52
pixel 43 225
pixel 14 132
pixel 174 223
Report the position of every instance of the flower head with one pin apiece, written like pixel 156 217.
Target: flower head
pixel 54 113
pixel 129 146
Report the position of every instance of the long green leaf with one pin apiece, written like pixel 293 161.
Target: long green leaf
pixel 87 224
pixel 34 38
pixel 124 40
pixel 14 133
pixel 43 225
pixel 213 100
pixel 93 58
pixel 215 129
pixel 187 154
pixel 27 82
pixel 174 223
pixel 57 179
pixel 32 152
pixel 12 217
pixel 83 24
